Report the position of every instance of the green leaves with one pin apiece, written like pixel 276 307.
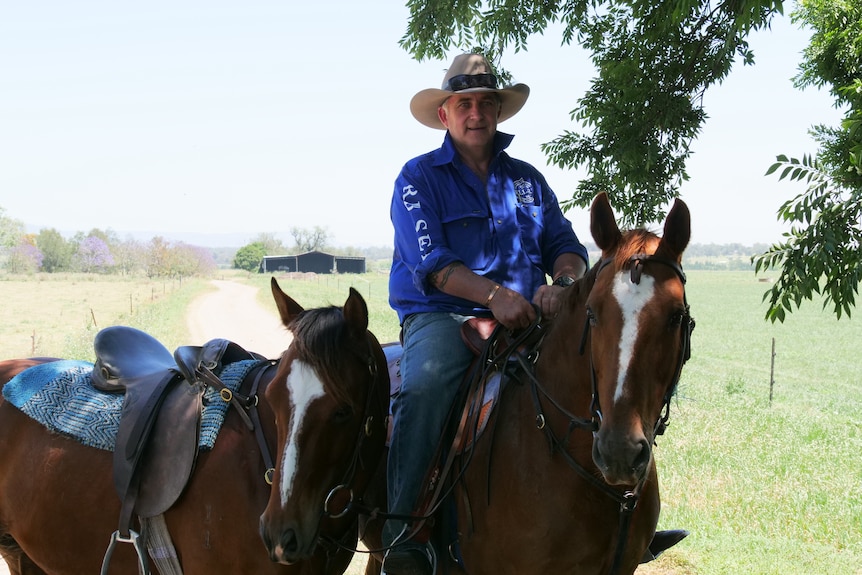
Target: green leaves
pixel 821 255
pixel 635 124
pixel 654 61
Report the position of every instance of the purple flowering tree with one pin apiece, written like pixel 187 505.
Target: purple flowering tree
pixel 93 255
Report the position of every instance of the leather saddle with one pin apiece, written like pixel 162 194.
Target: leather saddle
pixel 157 440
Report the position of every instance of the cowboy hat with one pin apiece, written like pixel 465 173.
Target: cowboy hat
pixel 468 73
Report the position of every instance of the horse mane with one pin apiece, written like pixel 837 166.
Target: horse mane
pixel 321 339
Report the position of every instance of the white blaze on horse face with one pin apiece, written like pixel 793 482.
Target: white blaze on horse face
pixel 632 298
pixel 304 387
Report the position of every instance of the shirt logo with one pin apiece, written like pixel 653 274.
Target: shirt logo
pixel 524 192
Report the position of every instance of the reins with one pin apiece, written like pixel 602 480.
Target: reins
pixel 525 349
pixel 365 432
pixel 627 500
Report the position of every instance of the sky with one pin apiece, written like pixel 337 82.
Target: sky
pixel 212 122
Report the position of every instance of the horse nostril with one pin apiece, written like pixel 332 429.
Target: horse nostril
pixel 283 545
pixel 289 542
pixel 642 459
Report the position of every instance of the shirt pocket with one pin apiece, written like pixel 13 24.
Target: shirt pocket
pixel 531 225
pixel 470 236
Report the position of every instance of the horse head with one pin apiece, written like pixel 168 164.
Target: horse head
pixel 330 397
pixel 638 326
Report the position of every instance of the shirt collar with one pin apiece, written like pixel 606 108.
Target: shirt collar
pixel 447 152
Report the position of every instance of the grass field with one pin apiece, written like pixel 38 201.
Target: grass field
pixel 772 488
pixel 59 314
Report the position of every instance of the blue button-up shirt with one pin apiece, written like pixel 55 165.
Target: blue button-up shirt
pixel 510 230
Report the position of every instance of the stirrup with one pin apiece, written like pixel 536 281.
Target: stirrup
pixel 135 539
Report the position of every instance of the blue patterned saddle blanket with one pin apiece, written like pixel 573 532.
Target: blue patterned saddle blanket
pixel 59 396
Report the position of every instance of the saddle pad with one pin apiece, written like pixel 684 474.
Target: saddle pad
pixel 215 408
pixel 59 396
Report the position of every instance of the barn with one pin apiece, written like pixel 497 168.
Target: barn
pixel 314 261
pixel 350 264
pixel 271 264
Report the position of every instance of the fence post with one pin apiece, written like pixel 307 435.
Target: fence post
pixel 772 373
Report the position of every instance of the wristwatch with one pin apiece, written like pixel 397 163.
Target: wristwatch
pixel 564 281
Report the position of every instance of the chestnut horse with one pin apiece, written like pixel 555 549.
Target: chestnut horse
pixel 59 508
pixel 563 478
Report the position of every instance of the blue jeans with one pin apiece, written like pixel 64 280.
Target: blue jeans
pixel 433 365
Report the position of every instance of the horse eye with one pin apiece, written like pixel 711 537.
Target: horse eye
pixel 342 414
pixel 676 318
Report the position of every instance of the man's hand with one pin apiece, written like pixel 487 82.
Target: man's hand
pixel 512 310
pixel 548 299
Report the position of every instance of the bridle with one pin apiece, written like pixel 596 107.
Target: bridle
pixel 365 432
pixel 627 500
pixel 687 324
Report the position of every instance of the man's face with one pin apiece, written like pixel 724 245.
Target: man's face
pixel 471 118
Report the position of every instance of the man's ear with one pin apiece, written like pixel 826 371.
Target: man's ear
pixel 441 115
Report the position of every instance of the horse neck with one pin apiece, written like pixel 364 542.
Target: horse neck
pixel 563 366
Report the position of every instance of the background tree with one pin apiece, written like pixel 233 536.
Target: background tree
pixel 654 61
pixel 25 258
pixel 309 240
pixel 822 253
pixel 11 230
pixel 158 262
pixel 93 255
pixel 248 257
pixel 129 256
pixel 271 244
pixel 189 260
pixel 56 250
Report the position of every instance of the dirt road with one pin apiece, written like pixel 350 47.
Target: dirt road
pixel 232 312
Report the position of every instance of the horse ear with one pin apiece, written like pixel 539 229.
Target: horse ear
pixel 287 307
pixel 677 229
pixel 603 225
pixel 356 313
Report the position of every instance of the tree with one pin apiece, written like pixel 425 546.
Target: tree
pixel 822 253
pixel 129 255
pixel 248 257
pixel 93 255
pixel 271 244
pixel 654 61
pixel 56 251
pixel 158 262
pixel 192 260
pixel 11 230
pixel 308 240
pixel 25 257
